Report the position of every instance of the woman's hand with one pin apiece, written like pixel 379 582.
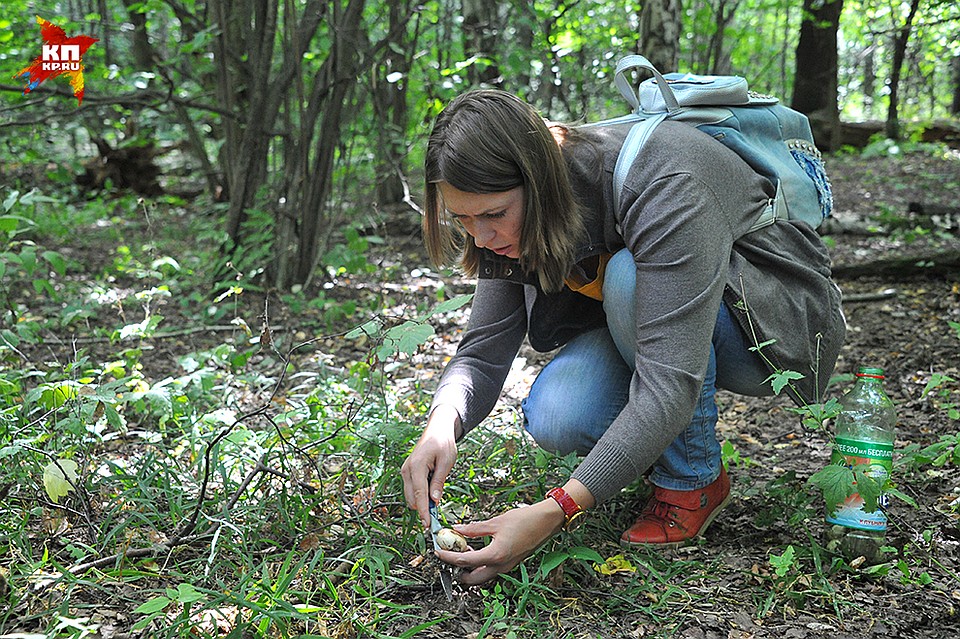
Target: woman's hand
pixel 516 534
pixel 425 470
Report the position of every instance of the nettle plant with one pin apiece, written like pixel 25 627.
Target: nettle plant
pixel 838 481
pixel 395 338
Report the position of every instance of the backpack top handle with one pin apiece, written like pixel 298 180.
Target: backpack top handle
pixel 630 62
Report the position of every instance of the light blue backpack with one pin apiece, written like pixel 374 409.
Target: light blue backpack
pixel 773 139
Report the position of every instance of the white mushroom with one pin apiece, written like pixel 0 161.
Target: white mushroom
pixel 450 539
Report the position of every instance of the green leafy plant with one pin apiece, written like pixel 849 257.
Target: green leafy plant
pixel 407 336
pixel 814 416
pixel 22 260
pixel 554 559
pixel 350 257
pixel 942 390
pixel 942 452
pixel 838 482
pixel 183 596
pixel 784 563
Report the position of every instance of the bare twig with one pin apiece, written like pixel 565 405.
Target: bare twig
pixel 942 261
pixel 135 553
pixel 147 98
pixel 191 523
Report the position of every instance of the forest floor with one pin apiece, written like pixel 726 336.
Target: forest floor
pixel 897 319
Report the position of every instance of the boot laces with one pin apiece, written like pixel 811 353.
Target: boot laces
pixel 662 511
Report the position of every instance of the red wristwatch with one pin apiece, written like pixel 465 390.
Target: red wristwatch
pixel 572 512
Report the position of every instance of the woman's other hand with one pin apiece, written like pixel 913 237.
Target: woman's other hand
pixel 516 534
pixel 425 471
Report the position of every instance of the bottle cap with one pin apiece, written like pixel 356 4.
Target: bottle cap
pixel 867 371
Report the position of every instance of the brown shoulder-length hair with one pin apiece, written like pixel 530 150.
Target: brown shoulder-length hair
pixel 490 141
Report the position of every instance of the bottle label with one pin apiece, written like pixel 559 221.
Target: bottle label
pixel 878 457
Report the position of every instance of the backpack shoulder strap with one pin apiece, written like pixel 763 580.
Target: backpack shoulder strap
pixel 636 138
pixel 638 135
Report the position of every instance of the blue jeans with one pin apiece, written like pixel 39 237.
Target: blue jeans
pixel 581 391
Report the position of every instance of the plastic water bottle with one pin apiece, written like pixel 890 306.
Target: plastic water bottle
pixel 865 435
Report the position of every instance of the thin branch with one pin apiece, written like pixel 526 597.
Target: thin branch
pixel 886 294
pixel 147 98
pixel 133 553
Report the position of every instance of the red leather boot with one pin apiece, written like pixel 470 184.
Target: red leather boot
pixel 674 517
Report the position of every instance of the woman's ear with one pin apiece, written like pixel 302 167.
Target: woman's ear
pixel 559 133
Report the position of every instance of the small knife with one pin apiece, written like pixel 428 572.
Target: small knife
pixel 446 577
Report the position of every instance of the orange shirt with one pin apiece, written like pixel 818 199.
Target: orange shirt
pixel 588 278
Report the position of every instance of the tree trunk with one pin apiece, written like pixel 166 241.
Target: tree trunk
pixel 720 59
pixel 526 21
pixel 335 82
pixel 546 87
pixel 955 105
pixel 445 46
pixel 389 91
pixel 145 59
pixel 250 87
pixel 660 25
pixel 247 31
pixel 139 40
pixel 815 82
pixel 869 79
pixel 787 36
pixel 480 31
pixel 935 262
pixel 900 41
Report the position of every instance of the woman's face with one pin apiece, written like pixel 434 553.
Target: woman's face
pixel 493 220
